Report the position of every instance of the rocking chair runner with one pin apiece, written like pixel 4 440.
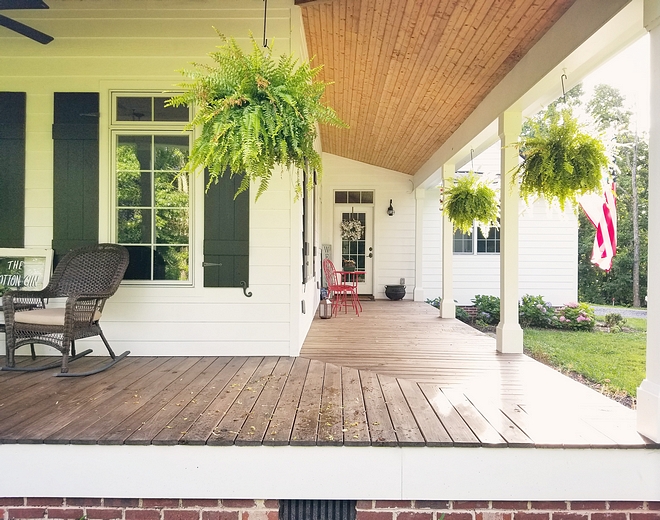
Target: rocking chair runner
pixel 86 277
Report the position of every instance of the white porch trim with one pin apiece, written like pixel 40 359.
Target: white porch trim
pixel 509 332
pixel 447 306
pixel 418 294
pixel 648 394
pixel 329 472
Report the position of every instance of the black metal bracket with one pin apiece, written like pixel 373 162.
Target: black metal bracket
pixel 247 293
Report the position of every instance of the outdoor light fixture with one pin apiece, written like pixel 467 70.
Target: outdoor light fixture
pixel 390 210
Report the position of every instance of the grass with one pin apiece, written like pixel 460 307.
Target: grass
pixel 615 360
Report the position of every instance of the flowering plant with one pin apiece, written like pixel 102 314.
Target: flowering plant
pixel 577 316
pixel 351 230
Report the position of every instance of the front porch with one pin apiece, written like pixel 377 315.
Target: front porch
pixel 395 376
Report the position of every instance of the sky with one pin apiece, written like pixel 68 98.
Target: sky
pixel 629 71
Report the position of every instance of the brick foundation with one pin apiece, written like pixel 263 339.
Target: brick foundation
pixel 503 510
pixel 233 509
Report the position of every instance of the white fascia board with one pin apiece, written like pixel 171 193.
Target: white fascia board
pixel 289 472
pixel 587 35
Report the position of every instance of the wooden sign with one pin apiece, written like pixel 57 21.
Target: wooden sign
pixel 24 269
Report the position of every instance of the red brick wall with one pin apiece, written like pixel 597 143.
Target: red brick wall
pixel 230 509
pixel 137 509
pixel 503 510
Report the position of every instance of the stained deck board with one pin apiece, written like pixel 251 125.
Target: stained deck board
pixel 456 427
pixel 380 424
pixel 136 420
pixel 431 427
pixel 405 378
pixel 281 425
pixel 69 402
pixel 231 424
pixel 306 423
pixel 175 429
pixel 355 426
pixel 152 426
pixel 406 428
pixel 330 417
pixel 131 398
pixel 255 427
pixel 202 427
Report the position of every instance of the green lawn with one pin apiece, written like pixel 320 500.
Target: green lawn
pixel 615 360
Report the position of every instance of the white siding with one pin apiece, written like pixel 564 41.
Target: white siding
pixel 126 44
pixel 394 237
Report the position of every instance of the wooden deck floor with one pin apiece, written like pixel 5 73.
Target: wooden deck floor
pixel 396 376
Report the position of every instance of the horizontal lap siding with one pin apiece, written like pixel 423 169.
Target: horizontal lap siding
pixel 394 237
pixel 547 256
pixel 141 45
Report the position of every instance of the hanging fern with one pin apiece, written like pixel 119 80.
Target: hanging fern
pixel 255 113
pixel 559 161
pixel 468 200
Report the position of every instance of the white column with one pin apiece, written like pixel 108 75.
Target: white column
pixel 648 394
pixel 509 333
pixel 447 307
pixel 418 294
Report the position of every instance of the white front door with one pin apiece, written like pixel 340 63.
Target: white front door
pixel 361 250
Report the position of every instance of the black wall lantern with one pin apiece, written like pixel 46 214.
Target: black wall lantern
pixel 390 210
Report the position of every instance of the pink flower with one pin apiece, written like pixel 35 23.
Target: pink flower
pixel 562 319
pixel 572 305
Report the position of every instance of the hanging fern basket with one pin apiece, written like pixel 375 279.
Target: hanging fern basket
pixel 255 112
pixel 560 162
pixel 470 199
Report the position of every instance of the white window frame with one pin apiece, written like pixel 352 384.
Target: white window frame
pixel 149 128
pixel 475 238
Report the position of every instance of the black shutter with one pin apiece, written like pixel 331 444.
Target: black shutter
pixel 75 171
pixel 226 234
pixel 12 162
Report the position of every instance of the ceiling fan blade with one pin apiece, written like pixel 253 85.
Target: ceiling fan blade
pixel 23 29
pixel 22 4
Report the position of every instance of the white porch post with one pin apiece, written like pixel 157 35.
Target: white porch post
pixel 418 294
pixel 447 306
pixel 509 333
pixel 648 394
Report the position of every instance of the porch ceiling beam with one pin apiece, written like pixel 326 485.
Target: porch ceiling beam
pixel 588 34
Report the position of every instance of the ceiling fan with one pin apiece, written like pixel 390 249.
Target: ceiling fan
pixel 21 28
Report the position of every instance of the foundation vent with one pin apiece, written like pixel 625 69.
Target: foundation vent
pixel 317 510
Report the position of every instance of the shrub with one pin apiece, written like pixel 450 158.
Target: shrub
pixel 576 316
pixel 535 312
pixel 435 302
pixel 488 309
pixel 462 315
pixel 615 321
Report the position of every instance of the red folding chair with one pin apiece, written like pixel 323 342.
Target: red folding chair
pixel 339 290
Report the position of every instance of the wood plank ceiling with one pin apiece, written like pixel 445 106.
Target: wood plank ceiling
pixel 406 73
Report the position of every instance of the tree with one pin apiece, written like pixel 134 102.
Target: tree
pixel 626 281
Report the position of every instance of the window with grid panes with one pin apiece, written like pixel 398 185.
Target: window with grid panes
pixel 476 242
pixel 151 193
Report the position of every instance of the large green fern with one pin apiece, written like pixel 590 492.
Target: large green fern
pixel 255 112
pixel 468 200
pixel 559 161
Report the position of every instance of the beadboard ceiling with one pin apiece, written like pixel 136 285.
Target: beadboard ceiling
pixel 406 73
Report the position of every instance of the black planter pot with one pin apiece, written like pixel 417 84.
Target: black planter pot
pixel 395 292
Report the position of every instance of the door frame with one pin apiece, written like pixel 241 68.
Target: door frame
pixel 366 287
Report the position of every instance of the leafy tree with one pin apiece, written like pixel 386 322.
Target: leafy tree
pixel 626 282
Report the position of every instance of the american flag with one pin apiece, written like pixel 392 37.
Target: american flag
pixel 601 211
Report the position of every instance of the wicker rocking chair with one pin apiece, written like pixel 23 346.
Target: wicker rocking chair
pixel 86 277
